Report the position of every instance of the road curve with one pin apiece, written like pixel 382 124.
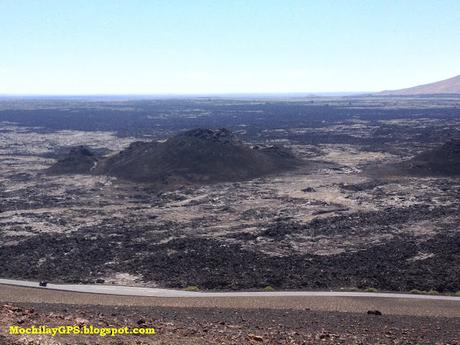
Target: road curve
pixel 155 292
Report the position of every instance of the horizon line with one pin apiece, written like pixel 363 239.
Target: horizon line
pixel 204 94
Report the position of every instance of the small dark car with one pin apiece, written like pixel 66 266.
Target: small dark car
pixel 42 283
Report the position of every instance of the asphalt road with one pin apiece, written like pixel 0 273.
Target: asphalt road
pixel 155 292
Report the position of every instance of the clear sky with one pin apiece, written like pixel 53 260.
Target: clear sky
pixel 225 46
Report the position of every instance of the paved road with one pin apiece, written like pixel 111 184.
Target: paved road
pixel 154 292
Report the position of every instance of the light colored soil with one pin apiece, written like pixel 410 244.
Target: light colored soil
pixel 334 304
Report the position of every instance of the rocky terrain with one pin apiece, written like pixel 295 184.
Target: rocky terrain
pixel 328 224
pixel 227 326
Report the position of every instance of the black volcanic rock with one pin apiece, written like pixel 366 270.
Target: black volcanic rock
pixel 441 161
pixel 196 156
pixel 79 160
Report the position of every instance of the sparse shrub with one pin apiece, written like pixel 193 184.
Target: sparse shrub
pixel 353 289
pixel 269 288
pixel 371 289
pixel 432 292
pixel 457 294
pixel 192 288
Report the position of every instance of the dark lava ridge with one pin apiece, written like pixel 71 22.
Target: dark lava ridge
pixel 442 161
pixel 79 160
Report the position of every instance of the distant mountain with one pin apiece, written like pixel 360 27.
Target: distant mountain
pixel 195 156
pixel 448 86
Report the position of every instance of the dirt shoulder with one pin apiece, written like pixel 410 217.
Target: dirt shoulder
pixel 409 307
pixel 198 325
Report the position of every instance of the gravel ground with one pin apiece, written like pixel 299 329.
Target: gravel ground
pixel 231 326
pixel 409 307
pixel 305 320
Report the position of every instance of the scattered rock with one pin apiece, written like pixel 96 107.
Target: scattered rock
pixel 80 321
pixel 255 337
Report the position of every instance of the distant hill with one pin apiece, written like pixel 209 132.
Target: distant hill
pixel 448 86
pixel 440 161
pixel 195 156
pixel 79 160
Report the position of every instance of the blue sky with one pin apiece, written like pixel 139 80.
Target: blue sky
pixel 225 46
